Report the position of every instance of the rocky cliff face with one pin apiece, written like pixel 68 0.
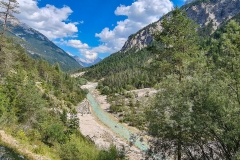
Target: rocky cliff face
pixel 142 38
pixel 215 11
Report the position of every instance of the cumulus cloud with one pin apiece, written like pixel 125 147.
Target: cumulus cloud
pixel 49 20
pixel 54 23
pixel 90 53
pixel 139 14
pixel 76 44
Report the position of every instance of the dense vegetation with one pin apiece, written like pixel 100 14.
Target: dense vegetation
pixel 124 71
pixel 195 115
pixel 37 106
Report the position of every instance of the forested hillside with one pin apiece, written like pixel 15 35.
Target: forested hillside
pixel 192 112
pixel 124 71
pixel 37 106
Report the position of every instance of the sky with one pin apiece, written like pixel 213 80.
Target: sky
pixel 92 28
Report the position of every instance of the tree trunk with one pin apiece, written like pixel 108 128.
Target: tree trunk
pixel 6 18
pixel 179 150
pixel 179 145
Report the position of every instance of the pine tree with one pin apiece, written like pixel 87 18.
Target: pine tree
pixel 179 37
pixel 169 116
pixel 9 8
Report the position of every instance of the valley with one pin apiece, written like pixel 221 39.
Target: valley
pixel 171 92
pixel 104 129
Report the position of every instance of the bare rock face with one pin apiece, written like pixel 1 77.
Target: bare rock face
pixel 215 11
pixel 142 38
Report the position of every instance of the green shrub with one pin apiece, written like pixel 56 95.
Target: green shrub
pixel 111 154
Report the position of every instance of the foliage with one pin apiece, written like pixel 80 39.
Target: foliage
pixel 35 101
pixel 195 115
pixel 123 71
pixel 179 38
pixel 9 8
pixel 111 154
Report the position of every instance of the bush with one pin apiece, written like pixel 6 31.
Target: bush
pixel 111 154
pixel 21 135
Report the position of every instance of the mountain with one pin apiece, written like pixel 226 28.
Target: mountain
pixel 125 69
pixel 203 12
pixel 87 62
pixel 39 46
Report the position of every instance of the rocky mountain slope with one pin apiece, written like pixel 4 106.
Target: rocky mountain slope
pixel 39 46
pixel 203 12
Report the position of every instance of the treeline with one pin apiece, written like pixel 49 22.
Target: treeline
pixel 37 106
pixel 124 71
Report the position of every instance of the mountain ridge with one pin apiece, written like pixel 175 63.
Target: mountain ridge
pixel 38 46
pixel 202 12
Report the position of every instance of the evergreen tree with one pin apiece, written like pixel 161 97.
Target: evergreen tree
pixel 179 37
pixel 170 117
pixel 9 8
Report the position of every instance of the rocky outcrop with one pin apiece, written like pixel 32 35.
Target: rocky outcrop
pixel 142 38
pixel 84 107
pixel 215 11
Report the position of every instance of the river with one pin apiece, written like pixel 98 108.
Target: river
pixel 116 127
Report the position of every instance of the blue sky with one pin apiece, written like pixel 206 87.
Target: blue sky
pixel 92 28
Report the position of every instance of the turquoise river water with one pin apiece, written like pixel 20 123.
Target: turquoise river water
pixel 116 127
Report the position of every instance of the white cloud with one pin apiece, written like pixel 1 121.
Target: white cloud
pixel 54 23
pixel 86 51
pixel 139 14
pixel 89 54
pixel 49 20
pixel 76 44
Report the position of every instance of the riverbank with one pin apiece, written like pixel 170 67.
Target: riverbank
pixel 95 125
